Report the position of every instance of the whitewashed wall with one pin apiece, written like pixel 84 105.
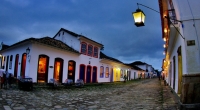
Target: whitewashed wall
pixel 52 53
pixel 186 11
pixel 14 51
pixel 70 40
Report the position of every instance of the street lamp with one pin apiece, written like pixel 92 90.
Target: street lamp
pixel 28 55
pixel 139 17
pixel 27 51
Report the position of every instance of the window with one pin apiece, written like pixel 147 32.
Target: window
pixel 3 62
pixel 107 72
pixel 121 73
pixel 101 71
pixel 83 48
pixel 95 52
pixel 90 50
pixel 10 63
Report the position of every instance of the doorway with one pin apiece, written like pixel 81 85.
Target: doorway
pixel 94 75
pixel 82 72
pixel 42 72
pixel 58 69
pixel 16 65
pixel 179 70
pixel 88 75
pixel 23 65
pixel 71 70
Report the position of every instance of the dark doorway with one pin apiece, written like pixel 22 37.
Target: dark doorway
pixel 7 63
pixel 88 77
pixel 16 65
pixel 111 75
pixel 94 75
pixel 82 72
pixel 174 72
pixel 23 65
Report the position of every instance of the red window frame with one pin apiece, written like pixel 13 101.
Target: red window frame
pixel 95 52
pixel 90 51
pixel 83 43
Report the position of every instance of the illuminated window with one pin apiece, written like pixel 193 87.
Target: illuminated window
pixel 95 52
pixel 10 63
pixel 101 71
pixel 90 50
pixel 107 72
pixel 83 48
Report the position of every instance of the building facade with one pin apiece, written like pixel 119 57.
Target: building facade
pixel 67 55
pixel 180 21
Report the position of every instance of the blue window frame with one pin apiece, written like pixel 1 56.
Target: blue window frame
pixel 101 72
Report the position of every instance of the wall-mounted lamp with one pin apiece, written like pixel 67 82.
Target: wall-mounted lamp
pixel 165 30
pixel 0 55
pixel 164 53
pixel 164 45
pixel 90 60
pixel 27 52
pixel 164 39
pixel 139 18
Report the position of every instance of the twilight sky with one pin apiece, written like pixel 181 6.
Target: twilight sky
pixel 109 22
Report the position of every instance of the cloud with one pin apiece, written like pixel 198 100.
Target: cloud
pixel 19 3
pixel 108 22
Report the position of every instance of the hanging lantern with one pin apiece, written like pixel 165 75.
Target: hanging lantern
pixel 139 17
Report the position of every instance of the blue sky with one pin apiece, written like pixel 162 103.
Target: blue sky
pixel 109 22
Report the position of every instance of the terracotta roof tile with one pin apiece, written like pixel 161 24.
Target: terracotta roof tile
pixel 102 55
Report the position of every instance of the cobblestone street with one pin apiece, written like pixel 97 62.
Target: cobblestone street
pixel 140 94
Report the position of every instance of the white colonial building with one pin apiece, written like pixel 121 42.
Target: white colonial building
pixel 67 55
pixel 147 70
pixel 180 21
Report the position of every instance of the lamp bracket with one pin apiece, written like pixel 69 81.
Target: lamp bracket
pixel 167 17
pixel 147 7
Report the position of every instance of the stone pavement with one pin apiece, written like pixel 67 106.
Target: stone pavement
pixel 145 94
pixel 170 101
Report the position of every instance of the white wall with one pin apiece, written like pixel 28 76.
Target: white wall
pixel 14 51
pixel 70 40
pixel 52 53
pixel 188 12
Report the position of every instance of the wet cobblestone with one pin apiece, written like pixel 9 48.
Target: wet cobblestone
pixel 134 95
